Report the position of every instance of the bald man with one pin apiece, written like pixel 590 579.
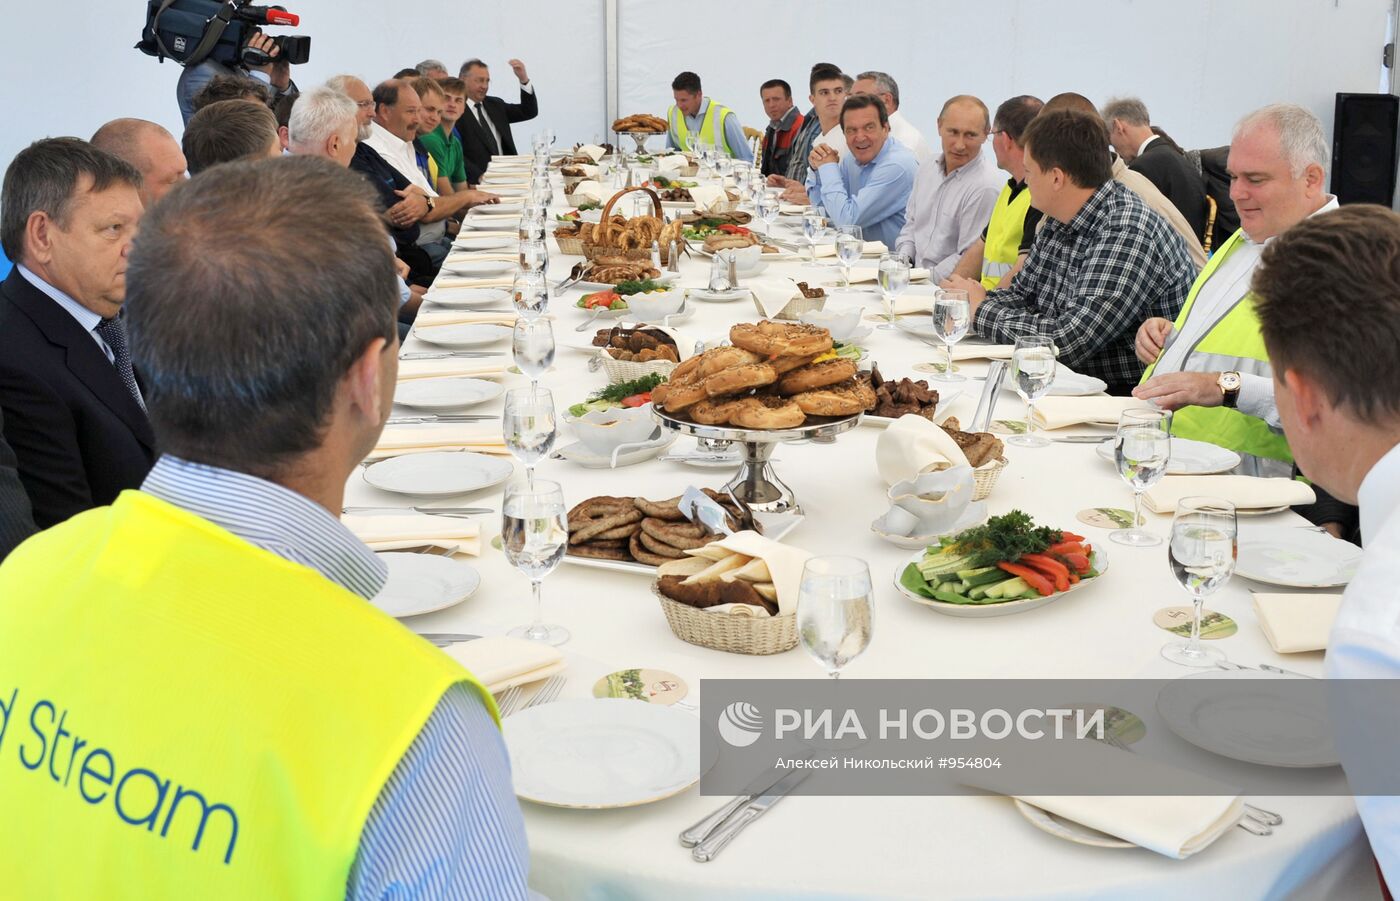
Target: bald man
pixel 150 148
pixel 953 195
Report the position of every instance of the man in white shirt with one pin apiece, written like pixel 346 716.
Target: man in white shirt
pixel 901 129
pixel 1328 300
pixel 953 195
pixel 1210 361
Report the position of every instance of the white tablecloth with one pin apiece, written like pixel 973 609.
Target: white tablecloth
pixel 884 847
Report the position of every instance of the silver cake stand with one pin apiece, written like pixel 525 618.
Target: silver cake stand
pixel 756 484
pixel 640 138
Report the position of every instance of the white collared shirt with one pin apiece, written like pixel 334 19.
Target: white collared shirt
pixel 835 139
pixel 472 107
pixel 1143 146
pixel 400 155
pixel 84 317
pixel 903 131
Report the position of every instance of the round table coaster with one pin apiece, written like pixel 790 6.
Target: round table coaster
pixel 1177 620
pixel 1107 518
pixel 651 685
pixel 1124 725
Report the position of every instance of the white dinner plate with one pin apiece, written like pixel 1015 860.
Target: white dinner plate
pixel 1098 559
pixel 706 296
pixel 1261 721
pixel 468 298
pixel 1296 557
pixel 481 268
pixel 587 287
pixel 505 208
pixel 974 515
pixel 1068 383
pixel 1189 457
pixel 491 223
pixel 438 473
pixel 422 583
pixel 469 335
pixel 599 753
pixel 581 455
pixel 471 243
pixel 445 394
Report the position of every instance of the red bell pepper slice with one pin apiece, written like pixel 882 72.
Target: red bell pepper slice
pixel 637 400
pixel 1080 562
pixel 1033 578
pixel 1051 567
pixel 1065 547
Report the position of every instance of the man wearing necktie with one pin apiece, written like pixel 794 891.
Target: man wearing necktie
pixel 485 125
pixel 73 407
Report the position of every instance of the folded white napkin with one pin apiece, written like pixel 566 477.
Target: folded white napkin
pixel 1245 492
pixel 784 565
pixel 450 367
pixel 463 317
pixel 1054 412
pixel 586 190
pixel 792 209
pixel 592 151
pixel 871 247
pixel 447 280
pixel 489 233
pixel 708 197
pixel 459 258
pixel 772 292
pixel 390 531
pixel 1296 622
pixel 911 445
pixel 671 162
pixel 500 662
pixel 871 274
pixel 397 440
pixel 983 352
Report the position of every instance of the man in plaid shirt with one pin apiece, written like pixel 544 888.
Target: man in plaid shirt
pixel 1103 262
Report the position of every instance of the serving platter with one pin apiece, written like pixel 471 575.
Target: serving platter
pixel 1097 559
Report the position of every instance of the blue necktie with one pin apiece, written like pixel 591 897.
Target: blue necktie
pixel 113 331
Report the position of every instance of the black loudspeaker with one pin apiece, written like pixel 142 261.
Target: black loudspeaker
pixel 1364 149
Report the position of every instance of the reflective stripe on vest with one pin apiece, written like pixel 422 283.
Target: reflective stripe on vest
pixel 1234 343
pixel 183 714
pixel 713 116
pixel 1004 235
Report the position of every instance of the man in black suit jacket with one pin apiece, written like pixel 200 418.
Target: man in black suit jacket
pixel 73 410
pixel 16 515
pixel 485 124
pixel 1157 157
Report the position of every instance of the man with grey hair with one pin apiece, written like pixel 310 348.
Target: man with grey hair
pixel 1149 151
pixel 485 124
pixel 150 148
pixel 954 194
pixel 901 129
pixel 1210 365
pixel 431 68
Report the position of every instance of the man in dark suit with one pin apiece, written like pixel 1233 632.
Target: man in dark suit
pixel 16 515
pixel 1157 157
pixel 73 410
pixel 485 124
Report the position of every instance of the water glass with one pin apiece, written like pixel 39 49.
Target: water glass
pixel 835 615
pixel 532 342
pixel 893 273
pixel 531 227
pixel 1202 557
pixel 530 294
pixel 535 536
pixel 1033 367
pixel 1142 448
pixel 813 224
pixel 767 210
pixel 529 427
pixel 850 243
pixel 952 317
pixel 542 193
pixel 534 255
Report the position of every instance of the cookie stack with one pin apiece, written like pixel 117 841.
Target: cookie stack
pixel 636 529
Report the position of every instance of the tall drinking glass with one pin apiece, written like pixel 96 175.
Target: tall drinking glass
pixel 951 319
pixel 1033 367
pixel 1202 557
pixel 813 224
pixel 534 255
pixel 542 194
pixel 834 611
pixel 528 426
pixel 850 242
pixel 893 273
pixel 532 342
pixel 534 536
pixel 767 210
pixel 1142 448
pixel 530 294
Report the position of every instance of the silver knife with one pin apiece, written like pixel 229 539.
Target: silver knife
pixel 432 511
pixel 447 355
pixel 709 849
pixel 701 830
pixel 450 417
pixel 1083 439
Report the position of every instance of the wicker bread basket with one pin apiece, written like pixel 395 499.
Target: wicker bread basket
pixel 571 246
pixel 730 632
pixel 639 254
pixel 630 370
pixel 795 307
pixel 984 477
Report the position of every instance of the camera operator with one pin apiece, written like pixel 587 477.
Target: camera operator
pixel 277 74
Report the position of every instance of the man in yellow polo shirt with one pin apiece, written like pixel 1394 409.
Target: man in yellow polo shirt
pixel 697 118
pixel 196 699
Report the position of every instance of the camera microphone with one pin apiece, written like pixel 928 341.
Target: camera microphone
pixel 268 15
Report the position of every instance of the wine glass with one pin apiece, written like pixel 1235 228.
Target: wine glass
pixel 538 143
pixel 724 167
pixel 530 293
pixel 893 273
pixel 542 193
pixel 1033 365
pixel 850 243
pixel 531 227
pixel 532 342
pixel 539 168
pixel 534 536
pixel 1202 557
pixel 834 612
pixel 952 317
pixel 767 210
pixel 1141 450
pixel 534 255
pixel 529 427
pixel 813 224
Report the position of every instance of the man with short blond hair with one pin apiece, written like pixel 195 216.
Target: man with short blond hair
pixel 442 142
pixel 150 148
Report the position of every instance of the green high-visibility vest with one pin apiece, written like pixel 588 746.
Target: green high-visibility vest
pixel 1004 233
pixel 1232 344
pixel 710 127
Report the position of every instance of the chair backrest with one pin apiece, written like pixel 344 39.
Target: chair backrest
pixel 1210 224
pixel 1210 162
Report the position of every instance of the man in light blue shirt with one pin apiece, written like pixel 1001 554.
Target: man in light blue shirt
pixel 870 185
pixel 690 112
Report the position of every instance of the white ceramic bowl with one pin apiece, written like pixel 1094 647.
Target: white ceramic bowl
pixel 655 305
pixel 601 431
pixel 840 321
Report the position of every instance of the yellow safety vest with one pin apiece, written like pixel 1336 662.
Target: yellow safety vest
pixel 712 124
pixel 184 715
pixel 1004 233
pixel 1232 344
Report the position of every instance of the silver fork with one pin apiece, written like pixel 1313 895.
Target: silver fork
pixel 548 692
pixel 506 705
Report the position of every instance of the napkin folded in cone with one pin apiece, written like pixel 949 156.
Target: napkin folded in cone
pixel 592 151
pixel 911 445
pixel 709 197
pixel 586 190
pixel 500 662
pixel 784 563
pixel 671 162
pixel 391 531
pixel 1296 622
pixel 772 292
pixel 1245 492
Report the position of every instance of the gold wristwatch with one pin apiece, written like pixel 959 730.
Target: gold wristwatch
pixel 1229 383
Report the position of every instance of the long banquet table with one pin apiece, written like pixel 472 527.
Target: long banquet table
pixel 884 847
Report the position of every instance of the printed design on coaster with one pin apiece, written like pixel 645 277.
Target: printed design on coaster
pixel 935 367
pixel 1007 426
pixel 1177 620
pixel 1122 724
pixel 1107 518
pixel 651 685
